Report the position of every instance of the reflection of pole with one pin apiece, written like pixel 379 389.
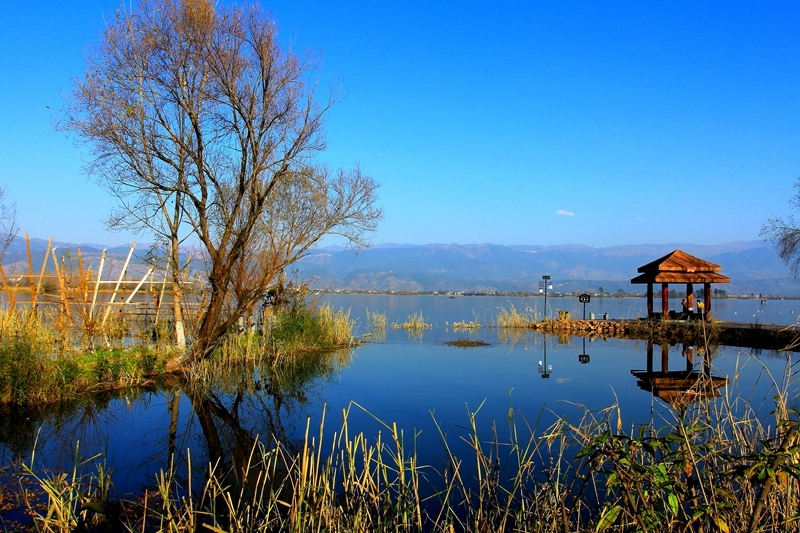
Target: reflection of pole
pixel 665 357
pixel 544 369
pixel 707 363
pixel 583 358
pixel 649 357
pixel 545 374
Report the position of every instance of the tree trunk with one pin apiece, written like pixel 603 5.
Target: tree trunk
pixel 212 327
pixel 177 294
pixel 177 317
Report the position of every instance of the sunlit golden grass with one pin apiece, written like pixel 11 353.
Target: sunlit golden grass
pixel 467 325
pixel 376 321
pixel 513 318
pixel 414 322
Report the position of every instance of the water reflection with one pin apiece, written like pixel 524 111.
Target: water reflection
pixel 583 357
pixel 680 388
pixel 545 369
pixel 220 418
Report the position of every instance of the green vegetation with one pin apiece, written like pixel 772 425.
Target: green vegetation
pixel 36 365
pixel 39 363
pixel 300 329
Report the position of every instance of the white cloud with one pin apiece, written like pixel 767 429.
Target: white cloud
pixel 565 213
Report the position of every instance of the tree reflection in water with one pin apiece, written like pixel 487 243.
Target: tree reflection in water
pixel 219 419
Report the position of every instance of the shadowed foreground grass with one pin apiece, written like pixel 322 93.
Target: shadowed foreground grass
pixel 708 469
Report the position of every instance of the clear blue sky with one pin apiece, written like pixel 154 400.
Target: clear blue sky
pixel 597 123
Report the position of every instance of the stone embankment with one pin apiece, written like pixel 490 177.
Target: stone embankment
pixel 589 328
pixel 677 331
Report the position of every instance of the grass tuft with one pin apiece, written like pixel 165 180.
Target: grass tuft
pixel 414 322
pixel 512 318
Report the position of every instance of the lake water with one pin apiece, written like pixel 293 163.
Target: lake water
pixel 411 378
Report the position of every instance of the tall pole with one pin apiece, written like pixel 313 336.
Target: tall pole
pixel 546 279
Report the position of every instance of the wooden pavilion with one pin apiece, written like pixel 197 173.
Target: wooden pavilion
pixel 679 267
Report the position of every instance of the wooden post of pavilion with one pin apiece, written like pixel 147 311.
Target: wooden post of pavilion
pixel 679 267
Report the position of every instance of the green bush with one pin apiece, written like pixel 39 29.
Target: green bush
pixel 20 366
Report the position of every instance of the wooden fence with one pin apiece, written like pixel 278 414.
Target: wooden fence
pixel 77 289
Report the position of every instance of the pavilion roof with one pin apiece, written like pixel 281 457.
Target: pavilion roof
pixel 680 267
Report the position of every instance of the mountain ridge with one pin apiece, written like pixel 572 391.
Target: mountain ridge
pixel 753 266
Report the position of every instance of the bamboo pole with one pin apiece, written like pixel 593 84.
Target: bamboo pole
pixel 97 285
pixel 7 288
pixel 135 289
pixel 30 264
pixel 119 282
pixel 161 295
pixel 41 274
pixel 61 289
pixel 82 277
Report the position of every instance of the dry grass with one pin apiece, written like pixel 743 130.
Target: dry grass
pixel 377 321
pixel 464 325
pixel 414 322
pixel 512 318
pixel 713 467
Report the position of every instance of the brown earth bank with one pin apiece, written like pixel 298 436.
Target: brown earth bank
pixel 678 331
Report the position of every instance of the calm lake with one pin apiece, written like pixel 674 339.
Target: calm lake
pixel 410 378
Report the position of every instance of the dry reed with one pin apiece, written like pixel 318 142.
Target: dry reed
pixel 414 322
pixel 512 318
pixel 713 467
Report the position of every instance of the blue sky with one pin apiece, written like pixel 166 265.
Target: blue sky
pixel 596 123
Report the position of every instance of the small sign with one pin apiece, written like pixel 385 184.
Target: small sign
pixel 584 298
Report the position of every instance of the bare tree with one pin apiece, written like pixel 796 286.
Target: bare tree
pixel 8 224
pixel 203 127
pixel 785 235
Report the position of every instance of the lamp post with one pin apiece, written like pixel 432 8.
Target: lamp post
pixel 546 284
pixel 584 299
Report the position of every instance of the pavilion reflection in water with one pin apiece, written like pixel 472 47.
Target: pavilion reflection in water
pixel 680 387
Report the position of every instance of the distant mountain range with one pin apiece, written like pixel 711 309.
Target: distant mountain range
pixel 753 266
